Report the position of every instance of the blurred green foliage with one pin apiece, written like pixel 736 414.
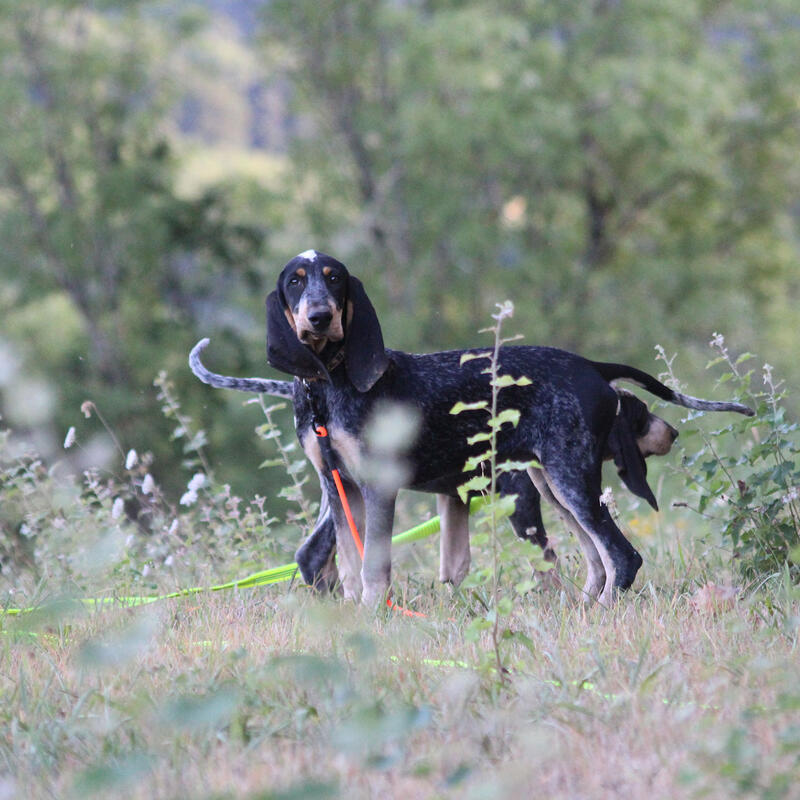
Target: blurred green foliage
pixel 625 171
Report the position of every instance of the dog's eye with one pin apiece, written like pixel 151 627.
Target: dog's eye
pixel 294 280
pixel 332 278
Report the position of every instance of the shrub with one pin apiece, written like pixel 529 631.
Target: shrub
pixel 110 528
pixel 746 475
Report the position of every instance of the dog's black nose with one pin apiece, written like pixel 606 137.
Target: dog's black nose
pixel 320 318
pixel 673 433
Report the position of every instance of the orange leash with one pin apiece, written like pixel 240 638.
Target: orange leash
pixel 322 434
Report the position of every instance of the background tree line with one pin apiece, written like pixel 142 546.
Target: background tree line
pixel 625 171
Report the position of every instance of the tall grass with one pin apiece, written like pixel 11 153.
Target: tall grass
pixel 275 692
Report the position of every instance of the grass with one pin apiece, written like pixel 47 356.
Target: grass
pixel 277 693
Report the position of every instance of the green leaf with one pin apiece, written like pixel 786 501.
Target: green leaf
pixel 516 466
pixel 473 462
pixel 504 606
pixel 198 441
pixel 475 628
pixel 501 506
pixel 479 437
pixel 477 406
pixel 476 484
pixel 502 381
pixel 472 356
pixel 508 415
pixel 523 587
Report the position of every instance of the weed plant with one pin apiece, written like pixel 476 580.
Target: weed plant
pixel 745 476
pixel 112 531
pixel 498 604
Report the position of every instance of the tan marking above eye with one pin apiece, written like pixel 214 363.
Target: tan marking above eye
pixel 326 271
pixel 301 273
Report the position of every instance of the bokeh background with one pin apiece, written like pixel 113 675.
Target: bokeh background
pixel 628 172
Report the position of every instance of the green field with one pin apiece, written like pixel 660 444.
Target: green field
pixel 275 693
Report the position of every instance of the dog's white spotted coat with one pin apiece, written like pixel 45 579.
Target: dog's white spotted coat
pixel 308 255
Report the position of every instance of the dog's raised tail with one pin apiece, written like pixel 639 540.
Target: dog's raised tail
pixel 623 372
pixel 257 385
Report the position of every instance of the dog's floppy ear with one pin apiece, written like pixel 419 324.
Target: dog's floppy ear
pixel 631 466
pixel 284 350
pixel 365 355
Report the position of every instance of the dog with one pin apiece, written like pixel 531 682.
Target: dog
pixel 323 330
pixel 635 435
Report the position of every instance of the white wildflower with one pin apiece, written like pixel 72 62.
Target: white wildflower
pixel 607 498
pixel 793 494
pixel 168 561
pixel 768 373
pixel 118 508
pixel 173 529
pixel 131 459
pixel 198 481
pixel 69 440
pixel 148 484
pixel 188 498
pixel 145 570
pixel 717 340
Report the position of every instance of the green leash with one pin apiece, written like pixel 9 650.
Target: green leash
pixel 263 578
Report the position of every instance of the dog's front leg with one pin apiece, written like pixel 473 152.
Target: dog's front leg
pixel 316 557
pixel 348 556
pixel 454 556
pixel 377 567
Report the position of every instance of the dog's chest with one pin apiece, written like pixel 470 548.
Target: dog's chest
pixel 334 413
pixel 346 449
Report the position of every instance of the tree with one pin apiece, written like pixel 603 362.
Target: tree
pixel 113 264
pixel 622 169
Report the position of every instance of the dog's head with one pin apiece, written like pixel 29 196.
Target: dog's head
pixel 635 435
pixel 317 309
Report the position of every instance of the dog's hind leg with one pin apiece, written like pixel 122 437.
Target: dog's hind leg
pixel 595 570
pixel 454 555
pixel 527 517
pixel 579 492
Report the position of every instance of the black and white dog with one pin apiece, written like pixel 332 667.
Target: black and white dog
pixel 636 434
pixel 322 328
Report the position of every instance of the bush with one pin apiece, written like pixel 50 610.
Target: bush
pixel 109 527
pixel 746 475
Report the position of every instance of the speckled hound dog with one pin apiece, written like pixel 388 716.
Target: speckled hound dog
pixel 635 434
pixel 322 328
